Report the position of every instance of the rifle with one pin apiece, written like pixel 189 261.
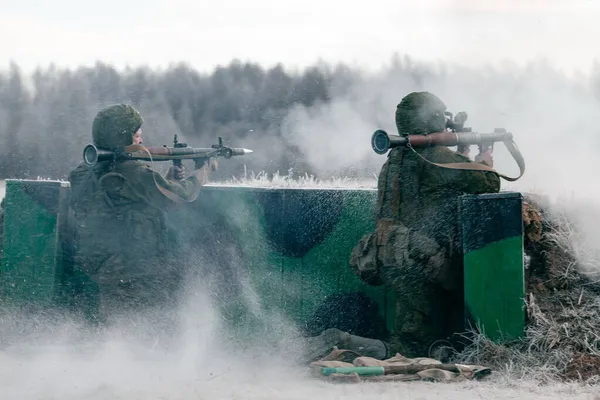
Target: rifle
pixel 381 142
pixel 177 153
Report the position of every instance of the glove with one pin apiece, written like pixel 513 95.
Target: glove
pixel 176 173
pixel 213 164
pixel 485 158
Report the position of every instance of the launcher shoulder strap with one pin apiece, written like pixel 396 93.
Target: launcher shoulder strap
pixel 166 192
pixel 510 145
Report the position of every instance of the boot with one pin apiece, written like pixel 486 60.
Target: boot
pixel 318 347
pixel 366 347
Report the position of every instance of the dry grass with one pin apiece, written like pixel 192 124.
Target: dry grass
pixel 562 338
pixel 277 180
pixel 552 345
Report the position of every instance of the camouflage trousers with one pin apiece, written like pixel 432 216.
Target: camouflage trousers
pixel 426 279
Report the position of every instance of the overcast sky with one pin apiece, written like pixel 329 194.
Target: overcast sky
pixel 207 33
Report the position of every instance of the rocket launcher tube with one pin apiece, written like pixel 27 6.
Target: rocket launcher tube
pixel 381 142
pixel 91 154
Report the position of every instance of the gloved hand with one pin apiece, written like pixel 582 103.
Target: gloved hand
pixel 203 167
pixel 180 173
pixel 213 164
pixel 176 173
pixel 485 158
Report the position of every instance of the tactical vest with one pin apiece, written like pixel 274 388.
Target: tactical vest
pixel 118 236
pixel 408 196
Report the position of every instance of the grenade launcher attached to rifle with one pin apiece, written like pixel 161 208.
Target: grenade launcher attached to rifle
pixel 458 135
pixel 177 153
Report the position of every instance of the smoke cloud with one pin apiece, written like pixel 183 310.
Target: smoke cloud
pixel 552 117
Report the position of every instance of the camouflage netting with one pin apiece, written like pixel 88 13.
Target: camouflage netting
pixel 563 307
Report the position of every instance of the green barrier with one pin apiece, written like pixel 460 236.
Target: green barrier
pixel 292 244
pixel 31 266
pixel 494 282
pixel 295 245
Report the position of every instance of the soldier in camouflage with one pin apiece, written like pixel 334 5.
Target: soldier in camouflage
pixel 415 248
pixel 118 220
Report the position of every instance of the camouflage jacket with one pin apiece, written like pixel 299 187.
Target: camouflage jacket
pixel 424 197
pixel 118 222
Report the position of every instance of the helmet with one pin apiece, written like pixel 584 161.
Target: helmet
pixel 420 113
pixel 115 125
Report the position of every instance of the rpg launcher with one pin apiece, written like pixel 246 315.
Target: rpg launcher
pixel 381 141
pixel 454 135
pixel 177 153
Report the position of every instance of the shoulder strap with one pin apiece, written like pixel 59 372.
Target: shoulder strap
pixel 510 145
pixel 117 189
pixel 169 194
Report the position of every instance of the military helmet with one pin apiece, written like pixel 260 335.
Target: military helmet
pixel 115 125
pixel 420 113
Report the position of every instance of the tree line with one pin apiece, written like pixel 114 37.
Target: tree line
pixel 46 118
pixel 305 120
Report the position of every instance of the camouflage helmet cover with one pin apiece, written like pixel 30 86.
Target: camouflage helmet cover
pixel 420 113
pixel 115 125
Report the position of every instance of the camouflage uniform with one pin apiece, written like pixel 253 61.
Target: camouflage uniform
pixel 119 226
pixel 415 248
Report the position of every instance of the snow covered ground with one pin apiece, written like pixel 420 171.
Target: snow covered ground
pixel 46 359
pixel 58 366
pixel 113 373
pixel 79 381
